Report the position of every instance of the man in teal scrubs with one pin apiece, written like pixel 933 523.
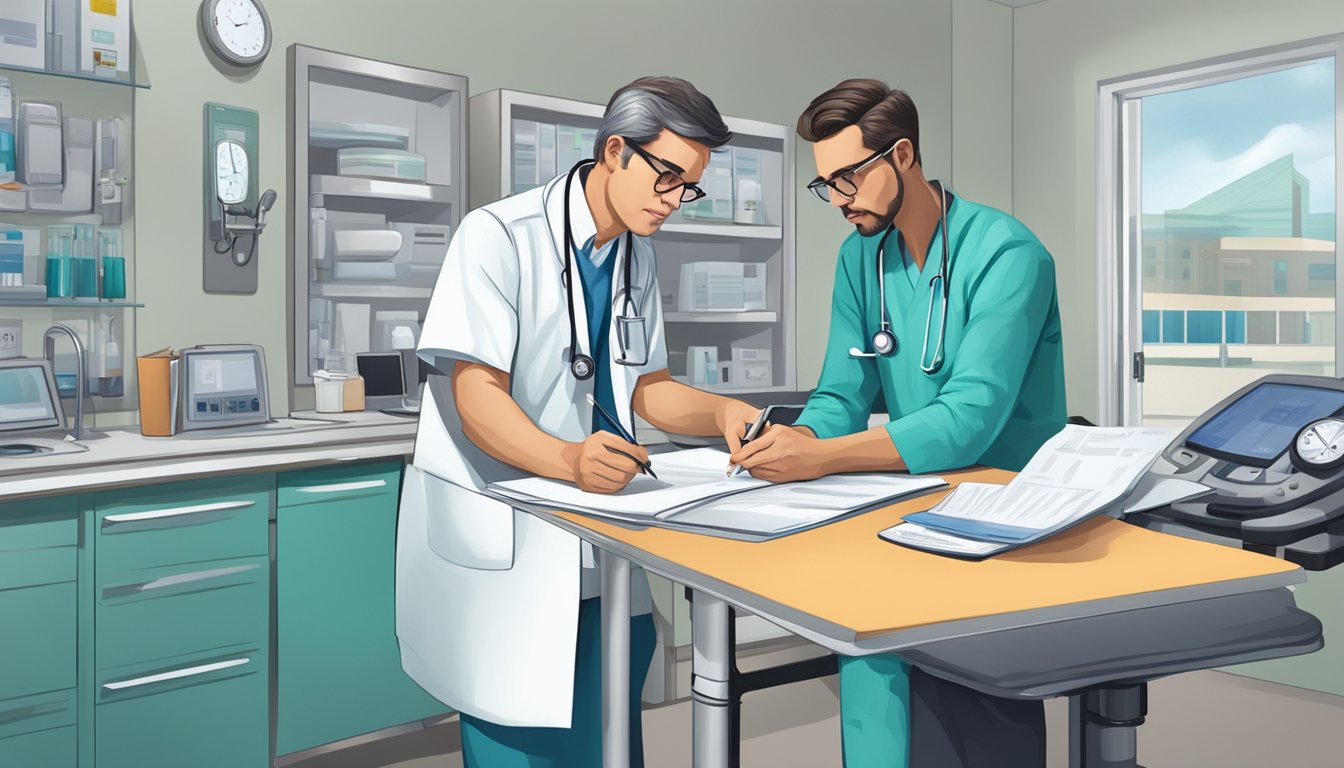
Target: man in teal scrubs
pixel 960 337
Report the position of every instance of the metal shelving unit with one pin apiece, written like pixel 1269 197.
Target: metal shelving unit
pixel 107 328
pixel 520 140
pixel 413 122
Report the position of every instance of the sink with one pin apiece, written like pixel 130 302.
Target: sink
pixel 27 447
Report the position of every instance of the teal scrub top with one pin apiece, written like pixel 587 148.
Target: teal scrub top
pixel 999 394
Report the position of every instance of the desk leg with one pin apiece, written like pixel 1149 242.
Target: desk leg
pixel 615 660
pixel 1103 726
pixel 711 669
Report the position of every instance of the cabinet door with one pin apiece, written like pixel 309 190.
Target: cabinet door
pixel 204 712
pixel 338 665
pixel 38 568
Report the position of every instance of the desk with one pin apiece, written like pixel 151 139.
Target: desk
pixel 809 583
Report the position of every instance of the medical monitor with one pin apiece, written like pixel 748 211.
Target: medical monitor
pixel 1257 428
pixel 28 396
pixel 384 378
pixel 223 386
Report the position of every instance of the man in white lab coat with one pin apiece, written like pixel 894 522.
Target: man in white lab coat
pixel 545 298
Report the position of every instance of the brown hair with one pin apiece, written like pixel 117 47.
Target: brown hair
pixel 884 115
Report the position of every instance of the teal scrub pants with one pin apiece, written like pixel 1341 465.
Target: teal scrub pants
pixel 487 745
pixel 875 711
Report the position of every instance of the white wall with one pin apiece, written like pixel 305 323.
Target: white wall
pixel 1061 50
pixel 760 59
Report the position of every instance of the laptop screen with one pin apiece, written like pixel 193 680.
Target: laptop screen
pixel 26 396
pixel 382 374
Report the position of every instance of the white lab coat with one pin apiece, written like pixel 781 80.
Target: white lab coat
pixel 487 596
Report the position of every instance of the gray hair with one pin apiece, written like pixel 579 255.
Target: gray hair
pixel 641 110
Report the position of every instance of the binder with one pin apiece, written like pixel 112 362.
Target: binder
pixel 157 373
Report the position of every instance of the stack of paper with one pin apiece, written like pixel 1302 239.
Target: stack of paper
pixel 693 494
pixel 1080 472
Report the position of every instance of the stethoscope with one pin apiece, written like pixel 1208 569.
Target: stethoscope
pixel 581 364
pixel 884 340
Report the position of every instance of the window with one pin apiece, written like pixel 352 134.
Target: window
pixel 1234 324
pixel 1262 328
pixel 1204 326
pixel 1152 324
pixel 1321 278
pixel 1293 328
pixel 1233 212
pixel 1173 326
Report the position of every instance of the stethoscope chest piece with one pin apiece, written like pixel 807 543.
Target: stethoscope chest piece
pixel 884 343
pixel 582 367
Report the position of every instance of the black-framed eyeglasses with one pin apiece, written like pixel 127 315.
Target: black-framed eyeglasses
pixel 843 180
pixel 667 180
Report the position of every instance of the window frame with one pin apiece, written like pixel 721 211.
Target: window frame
pixel 1118 234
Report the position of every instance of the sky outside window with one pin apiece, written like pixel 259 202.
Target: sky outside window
pixel 1199 140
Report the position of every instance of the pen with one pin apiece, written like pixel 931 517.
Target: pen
pixel 629 438
pixel 751 434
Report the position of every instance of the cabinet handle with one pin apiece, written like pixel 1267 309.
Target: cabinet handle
pixel 338 487
pixel 121 590
pixel 175 674
pixel 155 514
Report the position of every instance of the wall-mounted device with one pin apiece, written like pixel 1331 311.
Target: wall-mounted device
pixel 112 169
pixel 235 214
pixel 76 195
pixel 41 145
pixel 223 385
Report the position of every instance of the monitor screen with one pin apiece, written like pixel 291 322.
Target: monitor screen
pixel 26 399
pixel 1258 427
pixel 224 387
pixel 382 374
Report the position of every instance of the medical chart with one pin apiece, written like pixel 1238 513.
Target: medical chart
pixel 1079 472
pixel 693 493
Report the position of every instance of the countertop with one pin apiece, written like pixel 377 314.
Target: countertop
pixel 123 457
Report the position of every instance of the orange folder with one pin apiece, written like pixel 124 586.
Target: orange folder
pixel 157 372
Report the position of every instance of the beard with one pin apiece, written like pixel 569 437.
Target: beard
pixel 884 220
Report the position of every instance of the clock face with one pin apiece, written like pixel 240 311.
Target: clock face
pixel 1320 444
pixel 241 30
pixel 230 172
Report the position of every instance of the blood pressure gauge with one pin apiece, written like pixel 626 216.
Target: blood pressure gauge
pixel 1319 446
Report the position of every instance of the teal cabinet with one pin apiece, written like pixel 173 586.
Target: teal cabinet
pixel 205 712
pixel 181 601
pixel 338 666
pixel 38 625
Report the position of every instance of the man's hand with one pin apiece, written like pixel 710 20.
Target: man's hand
pixel 782 455
pixel 733 418
pixel 596 469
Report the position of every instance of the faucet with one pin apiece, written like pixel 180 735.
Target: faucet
pixel 49 352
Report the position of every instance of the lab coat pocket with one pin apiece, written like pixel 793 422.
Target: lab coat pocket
pixel 464 527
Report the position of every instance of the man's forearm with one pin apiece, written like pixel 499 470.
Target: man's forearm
pixel 495 424
pixel 867 451
pixel 671 406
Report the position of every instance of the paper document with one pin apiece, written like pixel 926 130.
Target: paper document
pixel 1153 491
pixel 919 537
pixel 1079 472
pixel 692 493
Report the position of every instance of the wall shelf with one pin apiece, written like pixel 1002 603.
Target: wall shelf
pixel 89 78
pixel 750 231
pixel 754 316
pixel 381 189
pixel 366 291
pixel 68 304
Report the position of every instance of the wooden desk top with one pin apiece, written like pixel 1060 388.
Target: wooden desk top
pixel 843 575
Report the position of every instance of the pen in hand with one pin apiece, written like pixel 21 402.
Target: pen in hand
pixel 647 468
pixel 751 434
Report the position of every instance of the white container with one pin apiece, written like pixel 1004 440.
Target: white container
pixel 367 244
pixel 381 163
pixel 330 395
pixel 702 366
